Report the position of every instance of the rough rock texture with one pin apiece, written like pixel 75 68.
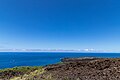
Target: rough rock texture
pixel 85 69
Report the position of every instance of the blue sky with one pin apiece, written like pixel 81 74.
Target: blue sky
pixel 60 24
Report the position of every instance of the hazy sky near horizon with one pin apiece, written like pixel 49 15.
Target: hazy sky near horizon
pixel 60 24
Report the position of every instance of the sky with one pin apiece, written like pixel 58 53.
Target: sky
pixel 60 24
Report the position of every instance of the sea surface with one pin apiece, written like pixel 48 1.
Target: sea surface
pixel 14 59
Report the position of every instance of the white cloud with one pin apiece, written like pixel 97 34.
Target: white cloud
pixel 52 50
pixel 89 50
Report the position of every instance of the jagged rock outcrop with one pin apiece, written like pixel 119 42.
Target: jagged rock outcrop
pixel 86 69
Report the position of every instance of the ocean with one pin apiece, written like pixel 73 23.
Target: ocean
pixel 15 59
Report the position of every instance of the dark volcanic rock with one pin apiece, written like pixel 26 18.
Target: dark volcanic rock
pixel 78 59
pixel 85 69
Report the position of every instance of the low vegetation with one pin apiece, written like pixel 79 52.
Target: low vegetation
pixel 20 73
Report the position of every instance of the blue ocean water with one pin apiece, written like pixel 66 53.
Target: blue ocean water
pixel 13 59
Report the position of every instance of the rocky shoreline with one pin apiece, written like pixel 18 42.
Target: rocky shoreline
pixel 87 68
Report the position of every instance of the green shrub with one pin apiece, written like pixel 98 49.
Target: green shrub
pixel 17 71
